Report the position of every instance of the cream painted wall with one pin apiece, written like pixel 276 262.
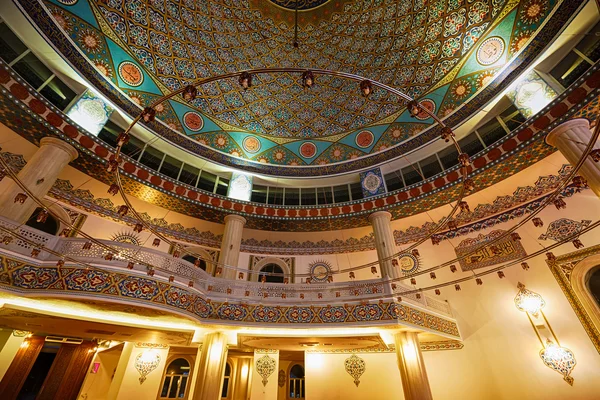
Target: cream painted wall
pixel 327 379
pixel 282 390
pixel 95 386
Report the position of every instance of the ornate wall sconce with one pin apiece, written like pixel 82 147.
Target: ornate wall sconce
pixel 560 359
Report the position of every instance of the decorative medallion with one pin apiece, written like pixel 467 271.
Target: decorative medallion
pixel 308 149
pixel 364 139
pixel 355 366
pixel 371 183
pixel 320 270
pixel 281 378
pixel 146 362
pixel 429 105
pixel 265 366
pixel 302 5
pixel 126 237
pixel 193 121
pixel 560 359
pixel 68 2
pixel 490 50
pixel 564 228
pixel 408 263
pixel 131 74
pixel 251 144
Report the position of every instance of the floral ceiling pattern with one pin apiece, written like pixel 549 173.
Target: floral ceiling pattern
pixel 441 52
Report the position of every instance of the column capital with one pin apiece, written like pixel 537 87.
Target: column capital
pixel 235 217
pixel 61 144
pixel 577 123
pixel 380 215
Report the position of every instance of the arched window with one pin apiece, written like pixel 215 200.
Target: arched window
pixel 593 284
pixel 176 379
pixel 272 268
pixel 49 226
pixel 226 379
pixel 192 259
pixel 296 383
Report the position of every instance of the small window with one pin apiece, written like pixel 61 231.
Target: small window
pixel 271 269
pixel 109 133
pixel 58 93
pixel 341 194
pixel 226 379
pixel 393 181
pixel 133 148
pixel 491 132
pixel 189 174
pixel 449 157
pixel 170 167
pixel 207 181
pixel 32 70
pixel 308 196
pixel 223 186
pixel 324 195
pixel 470 144
pixel 275 195
pixel 356 191
pixel 152 158
pixel 430 166
pixel 175 380
pixel 10 45
pixel 259 194
pixel 292 197
pixel 411 175
pixel 512 118
pixel 296 382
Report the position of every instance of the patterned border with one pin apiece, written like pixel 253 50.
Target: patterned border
pixel 28 279
pixel 561 269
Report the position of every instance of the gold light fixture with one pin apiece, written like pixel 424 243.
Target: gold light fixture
pixel 553 355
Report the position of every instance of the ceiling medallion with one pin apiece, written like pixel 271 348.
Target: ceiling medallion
pixel 301 5
pixel 251 144
pixel 364 139
pixel 68 2
pixel 490 50
pixel 308 149
pixel 320 270
pixel 193 121
pixel 372 182
pixel 131 74
pixel 429 105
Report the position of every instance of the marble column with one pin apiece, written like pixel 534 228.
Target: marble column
pixel 210 367
pixel 38 175
pixel 242 378
pixel 230 245
pixel 412 368
pixel 571 138
pixel 384 243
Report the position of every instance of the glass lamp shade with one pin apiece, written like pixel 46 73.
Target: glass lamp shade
pixel 560 359
pixel 528 301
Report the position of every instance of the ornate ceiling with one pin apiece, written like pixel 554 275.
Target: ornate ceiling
pixel 441 52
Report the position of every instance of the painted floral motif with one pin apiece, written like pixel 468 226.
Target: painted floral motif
pixel 146 362
pixel 90 40
pixel 265 366
pixel 564 228
pixel 355 367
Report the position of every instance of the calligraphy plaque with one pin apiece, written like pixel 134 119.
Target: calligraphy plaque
pixel 480 252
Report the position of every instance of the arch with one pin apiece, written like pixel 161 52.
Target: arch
pixel 296 388
pixel 580 276
pixel 209 265
pixel 176 378
pixel 50 226
pixel 227 381
pixel 254 277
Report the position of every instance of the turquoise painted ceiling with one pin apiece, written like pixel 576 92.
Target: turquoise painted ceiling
pixel 440 52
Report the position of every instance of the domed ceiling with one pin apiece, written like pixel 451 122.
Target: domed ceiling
pixel 442 52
